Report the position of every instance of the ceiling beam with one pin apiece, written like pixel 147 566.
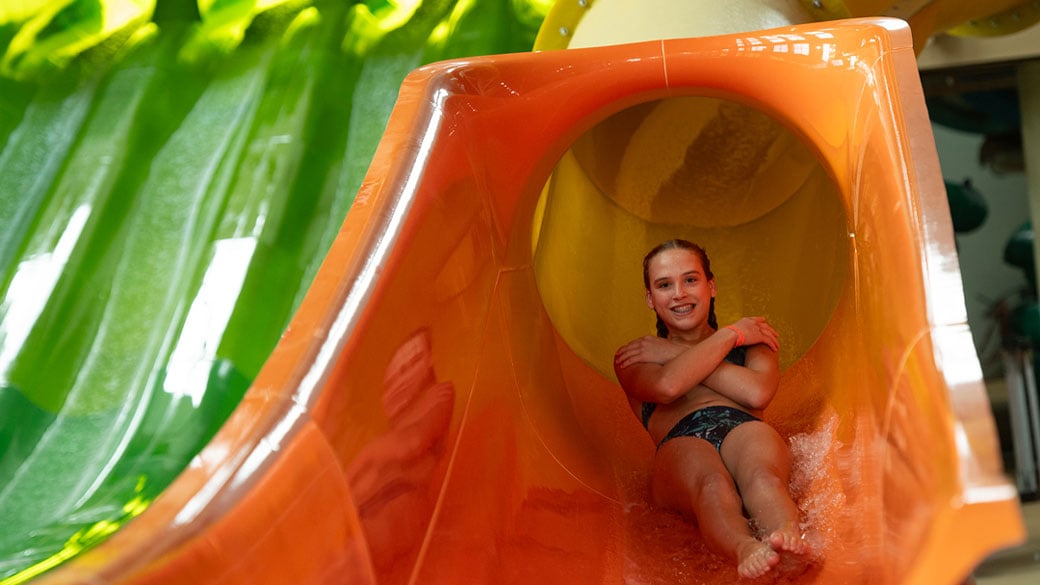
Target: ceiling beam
pixel 947 52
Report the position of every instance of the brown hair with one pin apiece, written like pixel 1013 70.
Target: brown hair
pixel 678 244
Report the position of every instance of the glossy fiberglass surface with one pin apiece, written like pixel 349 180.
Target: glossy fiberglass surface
pixel 439 410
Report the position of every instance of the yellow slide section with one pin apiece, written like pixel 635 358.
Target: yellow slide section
pixel 441 409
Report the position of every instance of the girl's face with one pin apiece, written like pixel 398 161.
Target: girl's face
pixel 680 292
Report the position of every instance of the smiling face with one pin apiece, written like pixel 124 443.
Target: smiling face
pixel 680 292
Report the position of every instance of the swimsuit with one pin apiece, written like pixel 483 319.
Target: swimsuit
pixel 711 423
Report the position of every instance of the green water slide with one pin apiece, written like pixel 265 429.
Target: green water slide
pixel 171 175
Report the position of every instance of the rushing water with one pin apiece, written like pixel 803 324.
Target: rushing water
pixel 669 548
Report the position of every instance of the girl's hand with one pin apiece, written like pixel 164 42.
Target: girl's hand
pixel 649 349
pixel 755 330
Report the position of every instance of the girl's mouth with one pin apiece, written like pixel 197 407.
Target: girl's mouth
pixel 682 310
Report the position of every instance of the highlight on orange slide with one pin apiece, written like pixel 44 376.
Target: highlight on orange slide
pixel 442 410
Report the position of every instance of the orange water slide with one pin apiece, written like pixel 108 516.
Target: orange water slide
pixel 441 409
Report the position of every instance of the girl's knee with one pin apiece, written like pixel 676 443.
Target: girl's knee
pixel 764 481
pixel 717 488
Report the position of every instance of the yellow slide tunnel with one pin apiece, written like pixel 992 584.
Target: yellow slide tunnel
pixel 442 409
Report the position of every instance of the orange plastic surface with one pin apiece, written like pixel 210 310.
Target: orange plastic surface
pixel 425 420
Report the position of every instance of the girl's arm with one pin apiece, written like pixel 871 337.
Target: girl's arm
pixel 653 370
pixel 650 381
pixel 752 385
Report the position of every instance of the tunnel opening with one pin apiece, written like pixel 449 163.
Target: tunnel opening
pixel 714 171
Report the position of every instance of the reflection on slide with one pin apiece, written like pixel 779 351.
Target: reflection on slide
pixel 439 411
pixel 394 478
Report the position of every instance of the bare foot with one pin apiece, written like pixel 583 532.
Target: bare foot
pixel 788 539
pixel 755 558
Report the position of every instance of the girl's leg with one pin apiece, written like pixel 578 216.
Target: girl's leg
pixel 760 462
pixel 690 476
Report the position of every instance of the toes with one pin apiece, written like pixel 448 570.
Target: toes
pixel 787 541
pixel 758 562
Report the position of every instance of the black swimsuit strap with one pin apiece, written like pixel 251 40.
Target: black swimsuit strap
pixel 648 409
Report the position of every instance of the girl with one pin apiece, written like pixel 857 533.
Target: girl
pixel 700 390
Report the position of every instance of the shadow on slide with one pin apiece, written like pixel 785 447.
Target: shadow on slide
pixel 441 409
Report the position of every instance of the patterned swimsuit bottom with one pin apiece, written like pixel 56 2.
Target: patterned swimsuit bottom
pixel 711 423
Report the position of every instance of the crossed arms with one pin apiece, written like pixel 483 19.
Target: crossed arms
pixel 653 369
